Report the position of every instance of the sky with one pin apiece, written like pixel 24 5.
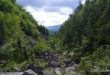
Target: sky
pixel 50 12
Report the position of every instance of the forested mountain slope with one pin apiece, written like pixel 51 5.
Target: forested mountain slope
pixel 18 35
pixel 87 34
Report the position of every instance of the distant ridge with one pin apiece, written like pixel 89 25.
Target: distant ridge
pixel 54 28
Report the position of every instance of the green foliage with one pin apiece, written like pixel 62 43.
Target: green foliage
pixel 40 46
pixel 97 62
pixel 87 34
pixel 18 31
pixel 84 37
pixel 11 65
pixel 6 5
pixel 43 30
pixel 29 28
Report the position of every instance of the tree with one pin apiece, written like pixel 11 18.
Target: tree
pixel 43 30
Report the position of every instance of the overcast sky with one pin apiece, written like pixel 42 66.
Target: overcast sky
pixel 50 12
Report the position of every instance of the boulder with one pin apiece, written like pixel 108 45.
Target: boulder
pixel 70 71
pixel 29 72
pixel 59 71
pixel 49 71
pixel 36 69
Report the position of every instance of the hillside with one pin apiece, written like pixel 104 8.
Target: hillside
pixel 87 34
pixel 19 34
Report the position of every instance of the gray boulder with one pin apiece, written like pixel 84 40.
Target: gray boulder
pixel 29 72
pixel 59 71
pixel 70 71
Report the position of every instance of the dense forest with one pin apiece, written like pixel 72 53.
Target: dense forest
pixel 87 34
pixel 19 35
pixel 82 40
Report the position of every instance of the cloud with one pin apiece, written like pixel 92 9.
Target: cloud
pixel 48 18
pixel 49 12
pixel 83 1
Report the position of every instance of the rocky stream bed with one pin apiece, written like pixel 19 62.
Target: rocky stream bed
pixel 54 66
